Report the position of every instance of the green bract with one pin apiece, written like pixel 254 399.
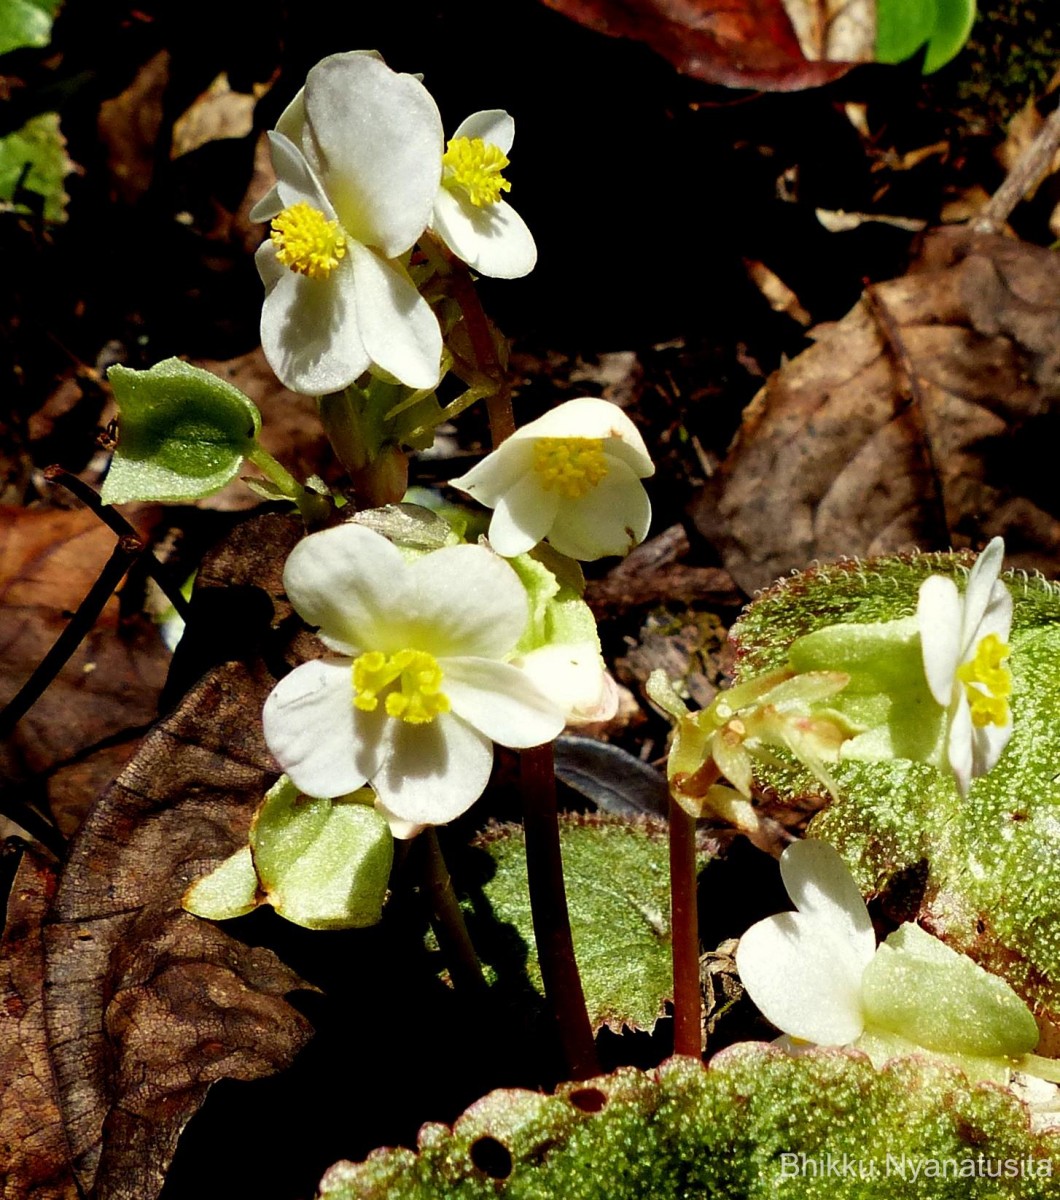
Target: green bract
pixel 919 988
pixel 183 433
pixel 322 864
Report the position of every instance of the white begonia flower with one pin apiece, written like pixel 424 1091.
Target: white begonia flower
pixel 804 969
pixel 469 214
pixel 573 676
pixel 573 477
pixel 418 689
pixel 964 640
pixel 356 156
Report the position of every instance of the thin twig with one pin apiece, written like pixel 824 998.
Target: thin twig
pixel 115 521
pixel 548 906
pixel 684 929
pixel 1026 172
pixel 72 636
pixel 447 918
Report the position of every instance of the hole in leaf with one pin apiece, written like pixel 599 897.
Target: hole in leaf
pixel 492 1158
pixel 590 1100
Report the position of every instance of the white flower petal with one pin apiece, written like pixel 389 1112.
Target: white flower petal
pixel 348 581
pixel 295 180
pixel 491 238
pixel 399 331
pixel 988 744
pixel 376 139
pixel 821 886
pixel 500 701
pixel 494 126
pixel 980 591
pixel 309 327
pixel 498 471
pixel 998 616
pixel 612 518
pixel 433 772
pixel 462 601
pixel 403 830
pixel 591 417
pixel 959 743
pixel 938 612
pixel 803 979
pixel 326 745
pixel 523 516
pixel 572 676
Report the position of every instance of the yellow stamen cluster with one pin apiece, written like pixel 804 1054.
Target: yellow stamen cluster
pixel 574 466
pixel 475 166
pixel 307 242
pixel 985 669
pixel 418 700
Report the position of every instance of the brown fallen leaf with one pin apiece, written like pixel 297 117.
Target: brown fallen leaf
pixel 219 112
pixel 927 416
pixel 34 1156
pixel 146 1005
pixel 106 694
pixel 737 43
pixel 129 128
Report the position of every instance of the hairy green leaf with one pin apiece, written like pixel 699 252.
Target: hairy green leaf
pixel 26 23
pixel 757 1124
pixel 618 880
pixel 33 160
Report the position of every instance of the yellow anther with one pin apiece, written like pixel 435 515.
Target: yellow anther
pixel 475 167
pixel 418 699
pixel 986 671
pixel 573 466
pixel 307 242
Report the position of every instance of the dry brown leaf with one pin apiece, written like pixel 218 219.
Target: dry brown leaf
pixel 129 126
pixel 834 30
pixel 34 1157
pixel 146 1005
pixel 217 113
pixel 738 43
pixel 840 454
pixel 108 691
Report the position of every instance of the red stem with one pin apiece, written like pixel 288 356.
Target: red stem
pixel 684 926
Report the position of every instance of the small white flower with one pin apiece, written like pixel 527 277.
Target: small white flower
pixel 964 641
pixel 804 969
pixel 572 476
pixel 417 690
pixel 469 214
pixel 356 156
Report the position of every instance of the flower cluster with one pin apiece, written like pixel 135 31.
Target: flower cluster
pixel 360 176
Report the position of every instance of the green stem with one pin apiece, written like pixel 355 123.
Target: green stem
pixel 548 906
pixel 684 926
pixel 447 918
pixel 314 509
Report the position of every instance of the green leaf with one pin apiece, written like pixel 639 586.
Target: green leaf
pixel 737 1131
pixel 230 890
pixel 183 433
pixel 917 987
pixel 33 159
pixel 902 27
pixel 26 23
pixel 323 864
pixel 983 873
pixel 618 891
pixel 952 27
